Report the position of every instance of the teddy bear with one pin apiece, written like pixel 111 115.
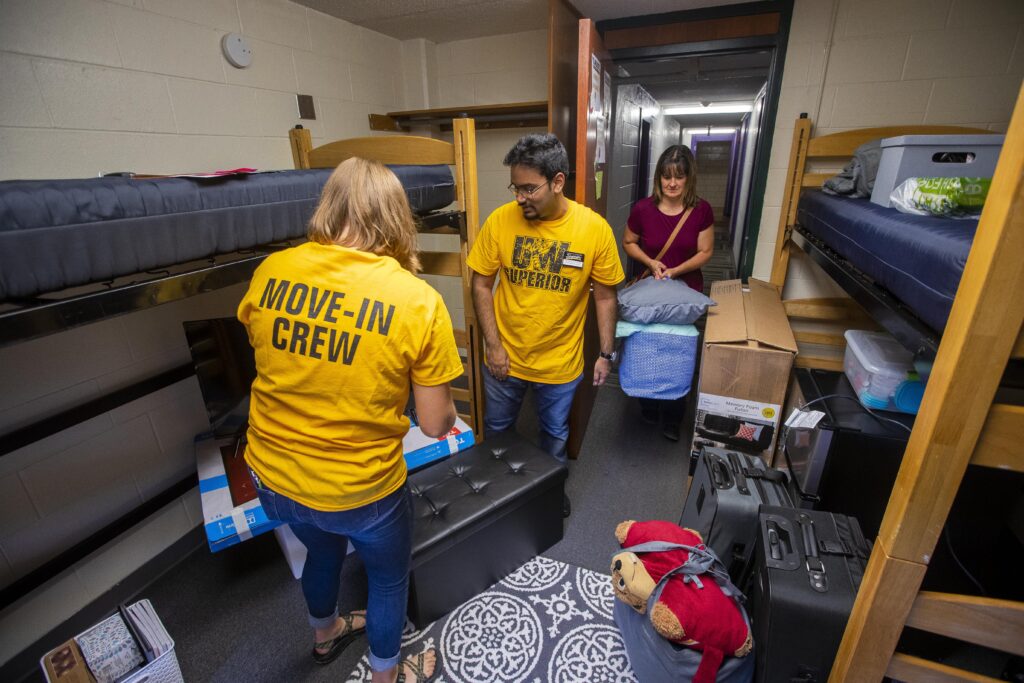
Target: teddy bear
pixel 695 613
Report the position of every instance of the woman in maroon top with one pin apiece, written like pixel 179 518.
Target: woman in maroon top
pixel 650 224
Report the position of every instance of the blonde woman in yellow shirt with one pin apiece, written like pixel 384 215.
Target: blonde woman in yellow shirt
pixel 342 331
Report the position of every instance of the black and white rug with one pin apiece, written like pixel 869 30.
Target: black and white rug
pixel 548 621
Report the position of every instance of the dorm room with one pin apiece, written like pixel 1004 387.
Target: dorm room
pixel 102 403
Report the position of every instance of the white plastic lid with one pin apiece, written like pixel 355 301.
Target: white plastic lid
pixel 879 353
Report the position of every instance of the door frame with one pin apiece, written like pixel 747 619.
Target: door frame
pixel 776 42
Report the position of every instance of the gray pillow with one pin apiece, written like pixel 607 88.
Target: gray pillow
pixel 662 301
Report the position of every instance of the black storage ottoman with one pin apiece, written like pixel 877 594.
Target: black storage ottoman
pixel 478 516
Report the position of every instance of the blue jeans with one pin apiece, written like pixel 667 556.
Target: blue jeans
pixel 381 533
pixel 504 399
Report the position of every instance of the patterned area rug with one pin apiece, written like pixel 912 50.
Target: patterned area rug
pixel 548 621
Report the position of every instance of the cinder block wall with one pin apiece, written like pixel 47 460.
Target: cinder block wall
pixel 862 63
pixel 91 85
pixel 631 103
pixel 482 71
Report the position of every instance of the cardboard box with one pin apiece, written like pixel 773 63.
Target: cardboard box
pixel 421 450
pixel 64 663
pixel 745 366
pixel 228 524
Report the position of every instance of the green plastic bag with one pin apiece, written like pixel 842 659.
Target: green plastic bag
pixel 950 197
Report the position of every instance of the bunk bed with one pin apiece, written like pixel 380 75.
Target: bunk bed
pixel 188 236
pixel 964 418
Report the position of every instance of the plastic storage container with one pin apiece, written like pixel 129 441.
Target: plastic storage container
pixel 928 156
pixel 882 372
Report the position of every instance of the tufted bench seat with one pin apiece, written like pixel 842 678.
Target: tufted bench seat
pixel 478 516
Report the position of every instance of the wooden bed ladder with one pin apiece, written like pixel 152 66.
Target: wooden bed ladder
pixel 408 149
pixel 958 425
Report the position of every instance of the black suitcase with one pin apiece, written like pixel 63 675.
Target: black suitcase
pixel 807 568
pixel 726 492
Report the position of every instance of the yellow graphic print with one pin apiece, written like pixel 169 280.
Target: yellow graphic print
pixel 537 264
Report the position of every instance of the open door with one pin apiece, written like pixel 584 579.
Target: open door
pixel 579 113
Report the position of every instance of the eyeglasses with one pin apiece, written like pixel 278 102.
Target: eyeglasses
pixel 525 191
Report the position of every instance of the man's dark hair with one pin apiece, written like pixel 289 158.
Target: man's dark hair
pixel 542 152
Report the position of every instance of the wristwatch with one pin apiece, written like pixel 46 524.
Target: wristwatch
pixel 608 356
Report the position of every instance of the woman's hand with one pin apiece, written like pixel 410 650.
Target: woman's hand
pixel 658 269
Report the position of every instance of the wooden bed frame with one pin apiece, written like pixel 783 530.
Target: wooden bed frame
pixel 407 149
pixel 959 424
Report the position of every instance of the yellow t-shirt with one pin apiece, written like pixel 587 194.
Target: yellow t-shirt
pixel 338 335
pixel 541 299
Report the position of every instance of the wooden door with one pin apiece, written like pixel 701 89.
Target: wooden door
pixel 593 118
pixel 563 60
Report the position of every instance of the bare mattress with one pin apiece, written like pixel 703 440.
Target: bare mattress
pixel 56 234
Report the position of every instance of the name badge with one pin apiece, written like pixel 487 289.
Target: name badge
pixel 572 259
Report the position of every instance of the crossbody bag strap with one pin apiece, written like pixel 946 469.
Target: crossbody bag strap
pixel 668 243
pixel 675 231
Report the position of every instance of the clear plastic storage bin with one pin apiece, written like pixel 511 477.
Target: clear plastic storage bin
pixel 882 372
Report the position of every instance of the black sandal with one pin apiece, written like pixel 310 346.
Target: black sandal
pixel 336 645
pixel 416 664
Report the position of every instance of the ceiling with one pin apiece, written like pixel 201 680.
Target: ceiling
pixel 441 21
pixel 716 78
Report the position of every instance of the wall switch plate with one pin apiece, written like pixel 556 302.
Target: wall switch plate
pixel 306 110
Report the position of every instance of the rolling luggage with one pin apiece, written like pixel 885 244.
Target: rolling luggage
pixel 807 568
pixel 726 492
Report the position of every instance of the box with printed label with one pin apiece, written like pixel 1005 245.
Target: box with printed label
pixel 231 511
pixel 420 449
pixel 226 522
pixel 745 365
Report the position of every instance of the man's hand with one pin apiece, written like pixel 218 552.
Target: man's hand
pixel 497 361
pixel 602 367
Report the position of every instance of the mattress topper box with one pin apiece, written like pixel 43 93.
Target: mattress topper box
pixel 231 513
pixel 748 353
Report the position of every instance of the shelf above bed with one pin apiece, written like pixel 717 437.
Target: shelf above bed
pixel 514 115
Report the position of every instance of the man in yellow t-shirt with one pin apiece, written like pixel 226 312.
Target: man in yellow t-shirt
pixel 549 251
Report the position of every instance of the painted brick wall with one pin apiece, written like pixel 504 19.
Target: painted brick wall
pixel 55 492
pixel 481 71
pixel 91 85
pixel 861 63
pixel 632 102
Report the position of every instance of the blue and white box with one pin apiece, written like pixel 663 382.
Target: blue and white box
pixel 420 449
pixel 227 524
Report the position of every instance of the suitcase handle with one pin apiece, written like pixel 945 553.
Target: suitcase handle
pixel 738 471
pixel 777 538
pixel 815 568
pixel 721 477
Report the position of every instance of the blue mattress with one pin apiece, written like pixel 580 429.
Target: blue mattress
pixel 919 259
pixel 56 234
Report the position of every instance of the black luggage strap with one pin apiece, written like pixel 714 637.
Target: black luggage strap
pixel 834 548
